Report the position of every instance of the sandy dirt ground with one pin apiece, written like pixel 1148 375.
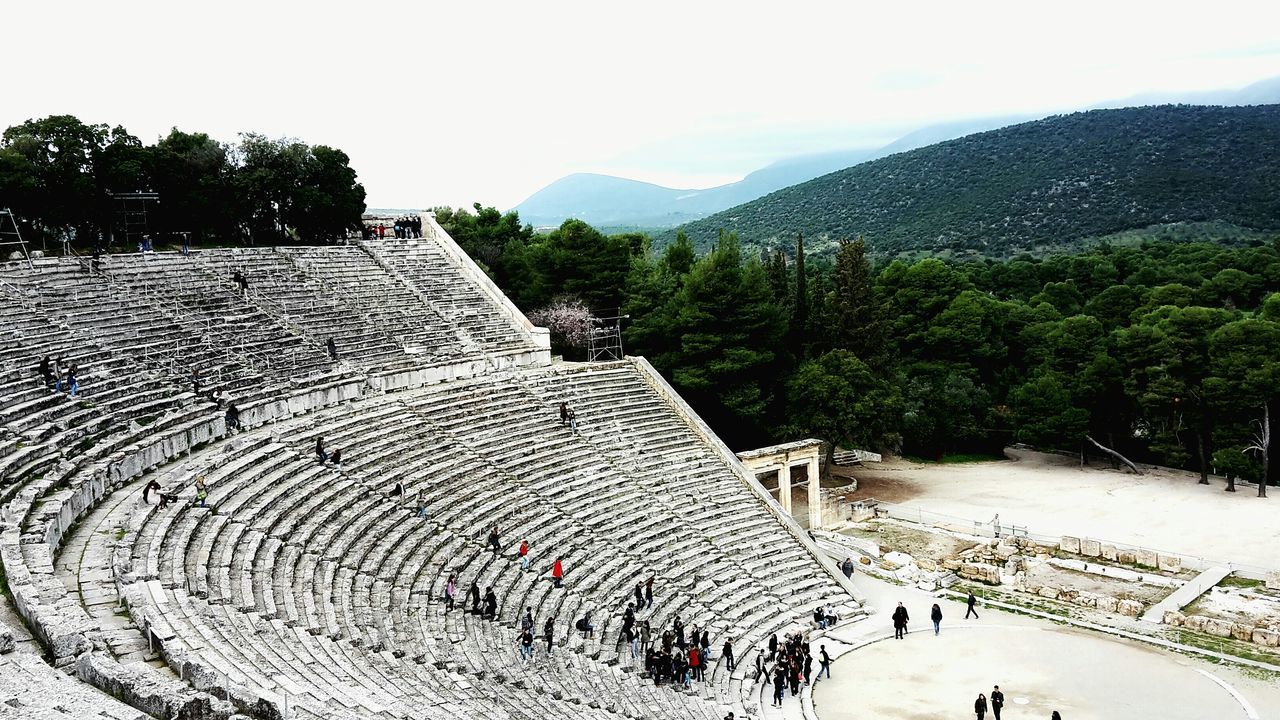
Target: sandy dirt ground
pixel 1051 495
pixel 1040 666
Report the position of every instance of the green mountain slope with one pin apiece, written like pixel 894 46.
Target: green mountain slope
pixel 1036 185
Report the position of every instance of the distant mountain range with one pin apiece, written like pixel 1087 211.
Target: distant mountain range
pixel 1035 185
pixel 611 202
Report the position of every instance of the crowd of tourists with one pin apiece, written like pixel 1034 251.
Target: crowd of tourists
pixel 402 228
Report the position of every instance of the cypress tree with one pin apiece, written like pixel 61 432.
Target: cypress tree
pixel 800 309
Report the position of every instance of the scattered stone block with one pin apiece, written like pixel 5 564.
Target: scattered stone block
pixel 1106 603
pixel 1217 628
pixel 863 559
pixel 1267 637
pixel 1173 618
pixel 1148 558
pixel 1048 592
pixel 1069 544
pixel 1194 622
pixel 1090 548
pixel 1169 563
pixel 1109 552
pixel 1129 608
pixel 1240 631
pixel 1273 581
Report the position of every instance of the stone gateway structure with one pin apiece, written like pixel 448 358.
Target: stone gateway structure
pixel 780 459
pixel 284 470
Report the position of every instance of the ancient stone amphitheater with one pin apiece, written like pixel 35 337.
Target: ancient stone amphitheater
pixel 303 589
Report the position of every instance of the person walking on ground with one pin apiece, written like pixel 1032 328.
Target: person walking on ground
pixel 524 554
pixel 997 702
pixel 695 663
pixel 936 616
pixel 900 620
pixel 557 573
pixel 980 706
pixel 759 666
pixel 450 592
pixel 824 665
pixel 971 602
pixel 779 682
pixel 808 667
pixel 493 540
pixel 847 568
pixel 549 632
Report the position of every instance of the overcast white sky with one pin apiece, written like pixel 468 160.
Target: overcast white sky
pixel 489 101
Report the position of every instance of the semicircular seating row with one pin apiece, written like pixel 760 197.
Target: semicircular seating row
pixel 323 584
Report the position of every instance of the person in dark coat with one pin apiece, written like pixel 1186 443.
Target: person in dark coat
pixel 980 706
pixel 490 604
pixel 900 620
pixel 972 600
pixel 773 646
pixel 1055 716
pixel 997 701
pixel 564 413
pixel 473 597
pixel 333 349
pixel 727 652
pixel 321 455
pixel 648 592
pixel 46 372
pixel 146 491
pixel 936 616
pixel 779 682
pixel 847 568
pixel 493 540
pixel 549 632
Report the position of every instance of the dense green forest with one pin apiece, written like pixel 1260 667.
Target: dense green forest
pixel 1165 352
pixel 1033 186
pixel 59 175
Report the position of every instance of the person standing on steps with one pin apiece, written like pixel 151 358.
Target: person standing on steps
pixel 321 455
pixel 648 592
pixel 493 540
pixel 564 413
pixel 727 650
pixel 900 620
pixel 450 592
pixel 524 554
pixel 473 597
pixel 936 616
pixel 847 568
pixel 971 601
pixel 549 631
pixel 779 682
pixel 233 417
pixel 332 348
pixel 997 702
pixel 773 646
pixel 639 597
pixel 46 372
pixel 980 706
pixel 557 573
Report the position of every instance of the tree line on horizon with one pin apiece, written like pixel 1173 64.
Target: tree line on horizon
pixel 1164 352
pixel 60 177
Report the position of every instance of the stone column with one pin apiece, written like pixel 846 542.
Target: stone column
pixel 815 496
pixel 784 487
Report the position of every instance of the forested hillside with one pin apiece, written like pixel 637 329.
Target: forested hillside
pixel 1166 352
pixel 1034 186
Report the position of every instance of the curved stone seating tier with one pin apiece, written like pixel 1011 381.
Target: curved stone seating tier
pixel 336 565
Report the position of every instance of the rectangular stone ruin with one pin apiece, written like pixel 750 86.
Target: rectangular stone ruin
pixel 1069 544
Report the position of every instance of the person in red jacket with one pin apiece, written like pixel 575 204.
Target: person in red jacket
pixel 557 572
pixel 524 554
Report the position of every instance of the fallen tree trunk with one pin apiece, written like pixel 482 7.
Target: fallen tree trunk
pixel 1114 454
